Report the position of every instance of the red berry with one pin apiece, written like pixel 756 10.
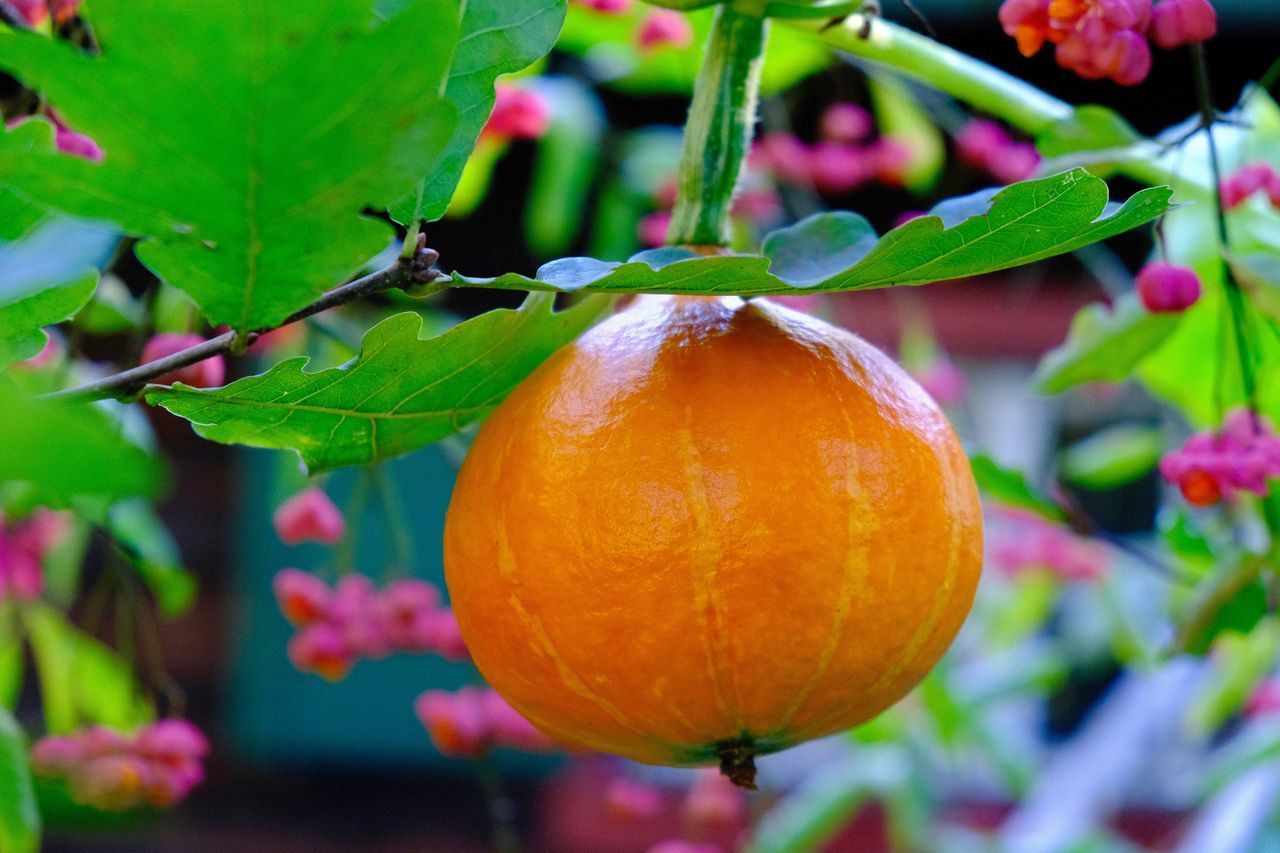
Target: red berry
pixel 1167 288
pixel 1175 23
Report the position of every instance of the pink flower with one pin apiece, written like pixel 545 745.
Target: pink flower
pixel 606 7
pixel 157 766
pixel 1033 544
pixel 470 722
pixel 679 845
pixel 1248 180
pixel 303 598
pixel 1175 23
pixel 786 156
pixel 664 28
pixel 457 722
pixel 837 168
pixel 845 122
pixel 653 229
pixel 518 113
pixel 445 637
pixel 942 381
pixel 629 799
pixel 714 801
pixel 891 158
pixel 309 516
pixel 1211 466
pixel 1264 700
pixel 208 373
pixel 1167 288
pixel 321 649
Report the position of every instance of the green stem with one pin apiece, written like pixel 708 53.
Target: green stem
pixel 1235 299
pixel 922 59
pixel 718 133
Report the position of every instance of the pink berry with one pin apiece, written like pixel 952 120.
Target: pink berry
pixel 508 728
pixel 1241 184
pixel 844 122
pixel 446 639
pixel 456 722
pixel 980 142
pixel 837 168
pixel 323 650
pixel 209 373
pixel 1175 23
pixel 111 783
pixel 713 801
pixel 309 516
pixel 1017 162
pixel 303 598
pixel 942 381
pixel 1264 700
pixel 761 206
pixel 663 28
pixel 1167 288
pixel 606 7
pixel 786 156
pixel 629 799
pixel 652 229
pixel 891 158
pixel 518 113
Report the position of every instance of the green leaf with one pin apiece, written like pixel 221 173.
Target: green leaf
pixel 1025 222
pixel 11 666
pixel 497 37
pixel 1089 128
pixel 899 116
pixel 1104 345
pixel 243 140
pixel 1112 457
pixel 153 553
pixel 1259 274
pixel 69 449
pixel 568 156
pixel 19 814
pixel 1010 487
pixel 81 680
pixel 45 278
pixel 399 394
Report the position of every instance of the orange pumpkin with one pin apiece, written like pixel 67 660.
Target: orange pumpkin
pixel 708 530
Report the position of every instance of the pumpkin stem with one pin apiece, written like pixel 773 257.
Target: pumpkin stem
pixel 738 762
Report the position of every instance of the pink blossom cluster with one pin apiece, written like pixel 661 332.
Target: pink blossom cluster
pixel 1214 466
pixel 1244 183
pixel 659 28
pixel 1166 288
pixel 23 545
pixel 986 145
pixel 1107 38
pixel 518 113
pixel 474 720
pixel 842 160
pixel 157 766
pixel 65 139
pixel 351 620
pixel 309 516
pixel 209 373
pixel 1031 544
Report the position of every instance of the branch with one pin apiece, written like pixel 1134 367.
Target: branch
pixel 407 273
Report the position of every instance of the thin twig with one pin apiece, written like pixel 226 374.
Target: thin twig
pixel 409 272
pixel 1234 295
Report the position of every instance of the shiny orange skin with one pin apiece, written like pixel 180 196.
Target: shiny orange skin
pixel 710 522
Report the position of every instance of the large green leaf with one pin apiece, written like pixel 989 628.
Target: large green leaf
pixel 1009 487
pixel 1112 457
pixel 81 680
pixel 70 449
pixel 243 139
pixel 497 37
pixel 1105 344
pixel 45 278
pixel 399 394
pixel 1025 222
pixel 19 815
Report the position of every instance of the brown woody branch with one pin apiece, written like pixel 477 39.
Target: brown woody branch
pixel 407 273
